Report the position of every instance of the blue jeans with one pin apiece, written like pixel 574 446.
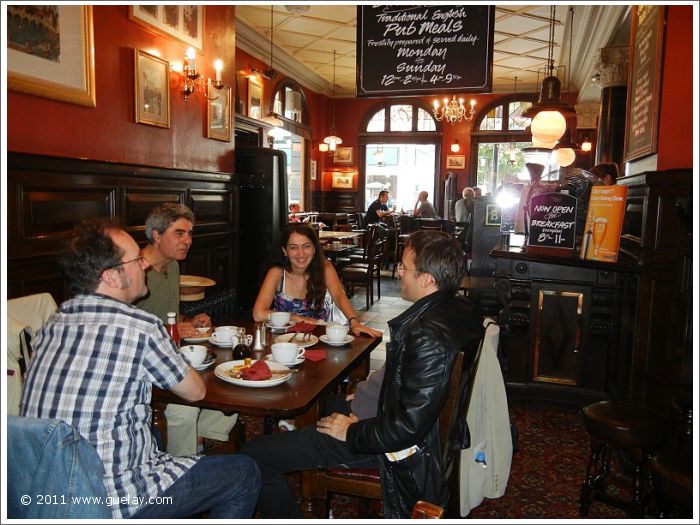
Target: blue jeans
pixel 224 486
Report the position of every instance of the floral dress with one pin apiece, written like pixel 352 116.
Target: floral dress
pixel 301 307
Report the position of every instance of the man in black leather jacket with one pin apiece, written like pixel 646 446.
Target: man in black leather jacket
pixel 402 439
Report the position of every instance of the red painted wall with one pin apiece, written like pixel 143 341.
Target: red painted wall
pixel 108 132
pixel 675 144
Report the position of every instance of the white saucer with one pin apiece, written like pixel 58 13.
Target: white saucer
pixel 279 329
pixel 299 361
pixel 208 361
pixel 348 339
pixel 293 337
pixel 196 339
pixel 218 343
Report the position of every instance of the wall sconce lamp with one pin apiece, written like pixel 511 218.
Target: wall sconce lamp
pixel 193 80
pixel 454 147
pixel 586 144
pixel 323 147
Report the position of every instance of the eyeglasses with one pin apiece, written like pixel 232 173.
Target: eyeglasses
pixel 401 269
pixel 139 259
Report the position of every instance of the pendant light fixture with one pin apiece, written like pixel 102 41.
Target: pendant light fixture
pixel 549 112
pixel 332 139
pixel 565 150
pixel 271 118
pixel 512 151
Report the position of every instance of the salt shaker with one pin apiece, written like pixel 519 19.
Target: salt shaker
pixel 260 337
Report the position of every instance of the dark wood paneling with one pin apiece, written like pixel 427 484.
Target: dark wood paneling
pixel 48 195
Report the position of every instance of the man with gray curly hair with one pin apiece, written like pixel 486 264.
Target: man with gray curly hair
pixel 169 233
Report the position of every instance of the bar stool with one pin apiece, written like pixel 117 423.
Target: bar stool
pixel 616 425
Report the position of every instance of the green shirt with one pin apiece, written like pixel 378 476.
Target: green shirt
pixel 163 292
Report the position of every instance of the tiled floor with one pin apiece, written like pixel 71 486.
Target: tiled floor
pixel 384 309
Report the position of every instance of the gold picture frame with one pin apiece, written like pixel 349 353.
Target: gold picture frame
pixel 152 89
pixel 342 179
pixel 182 22
pixel 455 162
pixel 37 65
pixel 219 113
pixel 343 156
pixel 255 94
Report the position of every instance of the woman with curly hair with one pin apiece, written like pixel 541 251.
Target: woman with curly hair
pixel 300 280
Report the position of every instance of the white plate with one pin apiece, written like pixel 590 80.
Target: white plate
pixel 299 361
pixel 287 338
pixel 348 339
pixel 208 361
pixel 279 329
pixel 216 342
pixel 196 339
pixel 221 372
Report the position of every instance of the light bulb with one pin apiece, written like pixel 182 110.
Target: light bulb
pixel 540 144
pixel 548 126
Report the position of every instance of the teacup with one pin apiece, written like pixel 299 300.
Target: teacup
pixel 225 334
pixel 286 353
pixel 195 354
pixel 336 332
pixel 280 319
pixel 203 330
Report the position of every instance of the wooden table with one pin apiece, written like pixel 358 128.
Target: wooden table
pixel 298 398
pixel 337 236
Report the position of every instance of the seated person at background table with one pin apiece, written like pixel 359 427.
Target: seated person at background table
pixel 300 280
pixel 294 208
pixel 378 209
pixel 95 363
pixel 401 416
pixel 477 191
pixel 464 207
pixel 423 207
pixel 607 172
pixel 169 233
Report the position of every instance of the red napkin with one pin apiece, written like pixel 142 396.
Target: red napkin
pixel 302 327
pixel 315 355
pixel 258 371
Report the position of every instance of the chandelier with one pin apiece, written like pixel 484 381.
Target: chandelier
pixel 332 139
pixel 453 110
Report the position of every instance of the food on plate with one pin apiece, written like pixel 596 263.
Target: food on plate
pixel 258 371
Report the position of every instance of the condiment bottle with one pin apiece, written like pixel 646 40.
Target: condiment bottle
pixel 172 328
pixel 240 351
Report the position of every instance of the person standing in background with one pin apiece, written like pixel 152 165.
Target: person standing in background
pixel 465 206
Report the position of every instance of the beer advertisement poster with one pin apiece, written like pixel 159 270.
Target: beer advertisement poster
pixel 606 211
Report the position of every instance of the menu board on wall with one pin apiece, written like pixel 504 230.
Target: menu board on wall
pixel 644 80
pixel 419 49
pixel 552 226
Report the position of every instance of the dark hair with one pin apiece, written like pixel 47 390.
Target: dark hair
pixel 88 253
pixel 440 255
pixel 316 285
pixel 605 168
pixel 383 192
pixel 161 217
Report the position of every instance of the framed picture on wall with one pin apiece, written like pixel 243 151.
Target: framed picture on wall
pixel 343 156
pixel 255 94
pixel 455 162
pixel 342 179
pixel 183 22
pixel 313 170
pixel 152 89
pixel 219 113
pixel 35 63
pixel 493 215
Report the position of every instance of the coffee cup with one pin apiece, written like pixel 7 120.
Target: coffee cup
pixel 225 334
pixel 336 332
pixel 280 319
pixel 286 353
pixel 203 330
pixel 195 354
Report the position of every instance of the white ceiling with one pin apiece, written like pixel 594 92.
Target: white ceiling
pixel 304 44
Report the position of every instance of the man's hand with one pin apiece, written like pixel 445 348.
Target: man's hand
pixel 201 320
pixel 186 329
pixel 336 425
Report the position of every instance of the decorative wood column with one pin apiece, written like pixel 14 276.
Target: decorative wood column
pixel 612 66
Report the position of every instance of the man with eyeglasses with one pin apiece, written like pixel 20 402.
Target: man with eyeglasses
pixel 169 232
pixel 95 363
pixel 394 413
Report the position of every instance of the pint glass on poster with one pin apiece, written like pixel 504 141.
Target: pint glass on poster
pixel 600 228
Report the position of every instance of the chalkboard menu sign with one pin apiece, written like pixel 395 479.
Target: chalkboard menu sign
pixel 644 80
pixel 552 224
pixel 419 49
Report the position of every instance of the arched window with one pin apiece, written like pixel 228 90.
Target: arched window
pixel 499 131
pixel 400 145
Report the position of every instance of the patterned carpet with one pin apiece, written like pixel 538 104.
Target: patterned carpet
pixel 546 474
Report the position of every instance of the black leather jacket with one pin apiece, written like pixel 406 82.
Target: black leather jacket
pixel 424 342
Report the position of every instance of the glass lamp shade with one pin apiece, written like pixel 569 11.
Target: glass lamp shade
pixel 323 147
pixel 548 126
pixel 454 147
pixel 586 146
pixel 332 141
pixel 565 157
pixel 539 144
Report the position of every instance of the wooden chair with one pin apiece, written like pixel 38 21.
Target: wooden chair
pixel 365 483
pixel 425 510
pixel 363 274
